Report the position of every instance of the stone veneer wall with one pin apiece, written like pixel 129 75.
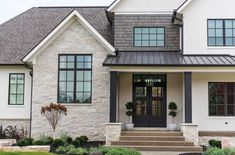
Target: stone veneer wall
pixel 81 119
pixel 24 123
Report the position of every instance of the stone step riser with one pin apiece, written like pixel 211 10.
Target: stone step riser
pixel 152 138
pixel 147 143
pixel 168 149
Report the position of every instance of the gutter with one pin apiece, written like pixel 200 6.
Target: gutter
pixel 31 101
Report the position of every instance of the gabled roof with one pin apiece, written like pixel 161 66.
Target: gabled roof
pixel 23 33
pixel 173 58
pixel 74 15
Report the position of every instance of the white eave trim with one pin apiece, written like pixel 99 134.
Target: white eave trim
pixel 112 6
pixel 90 28
pixel 183 6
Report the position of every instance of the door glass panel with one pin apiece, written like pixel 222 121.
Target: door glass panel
pixel 141 91
pixel 157 91
pixel 141 108
pixel 157 108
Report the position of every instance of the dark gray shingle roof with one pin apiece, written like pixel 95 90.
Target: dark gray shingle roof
pixel 167 59
pixel 21 34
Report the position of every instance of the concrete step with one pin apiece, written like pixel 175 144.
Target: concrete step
pixel 152 138
pixel 152 143
pixel 151 133
pixel 192 149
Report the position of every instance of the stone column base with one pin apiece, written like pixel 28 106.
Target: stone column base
pixel 113 132
pixel 190 132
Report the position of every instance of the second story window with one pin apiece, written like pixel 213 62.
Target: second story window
pixel 149 36
pixel 221 32
pixel 75 78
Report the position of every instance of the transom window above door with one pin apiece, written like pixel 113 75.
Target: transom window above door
pixel 221 32
pixel 75 78
pixel 149 36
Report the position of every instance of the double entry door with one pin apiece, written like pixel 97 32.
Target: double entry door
pixel 149 98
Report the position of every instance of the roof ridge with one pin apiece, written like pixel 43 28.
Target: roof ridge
pixel 72 7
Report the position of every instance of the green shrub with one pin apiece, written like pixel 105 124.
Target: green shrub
pixel 47 140
pixel 25 142
pixel 229 151
pixel 66 139
pixel 38 142
pixel 83 139
pixel 118 151
pixel 215 143
pixel 57 143
pixel 214 151
pixel 71 150
pixel 64 149
pixel 95 151
pixel 79 141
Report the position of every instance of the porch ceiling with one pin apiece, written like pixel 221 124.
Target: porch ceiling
pixel 174 59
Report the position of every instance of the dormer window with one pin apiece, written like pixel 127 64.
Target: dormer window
pixel 221 32
pixel 149 37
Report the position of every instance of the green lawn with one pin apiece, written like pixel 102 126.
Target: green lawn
pixel 24 153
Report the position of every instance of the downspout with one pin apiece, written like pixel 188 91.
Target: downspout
pixel 31 101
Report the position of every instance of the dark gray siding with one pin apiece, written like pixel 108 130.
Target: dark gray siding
pixel 123 31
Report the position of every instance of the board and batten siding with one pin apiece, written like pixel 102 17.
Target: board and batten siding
pixel 195 25
pixel 14 115
pixel 123 31
pixel 82 119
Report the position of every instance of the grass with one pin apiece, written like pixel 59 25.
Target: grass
pixel 25 153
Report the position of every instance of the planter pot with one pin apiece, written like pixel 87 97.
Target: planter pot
pixel 172 127
pixel 129 126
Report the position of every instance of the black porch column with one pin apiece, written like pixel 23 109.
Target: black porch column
pixel 188 96
pixel 113 97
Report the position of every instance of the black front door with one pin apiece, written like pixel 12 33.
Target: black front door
pixel 149 98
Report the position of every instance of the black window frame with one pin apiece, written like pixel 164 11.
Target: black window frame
pixel 75 69
pixel 149 27
pixel 9 89
pixel 225 100
pixel 223 33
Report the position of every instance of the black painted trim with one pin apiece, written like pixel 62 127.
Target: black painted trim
pixel 188 96
pixel 113 97
pixel 75 77
pixel 9 89
pixel 133 36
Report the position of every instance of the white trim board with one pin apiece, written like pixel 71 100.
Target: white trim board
pixel 60 28
pixel 184 5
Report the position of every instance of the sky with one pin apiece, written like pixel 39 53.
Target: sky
pixel 11 8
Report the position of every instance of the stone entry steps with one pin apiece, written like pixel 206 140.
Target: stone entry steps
pixel 155 141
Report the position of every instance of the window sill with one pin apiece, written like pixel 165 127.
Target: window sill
pixel 15 106
pixel 76 104
pixel 220 47
pixel 221 117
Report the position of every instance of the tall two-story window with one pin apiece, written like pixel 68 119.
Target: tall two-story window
pixel 75 78
pixel 149 36
pixel 222 99
pixel 16 88
pixel 221 32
